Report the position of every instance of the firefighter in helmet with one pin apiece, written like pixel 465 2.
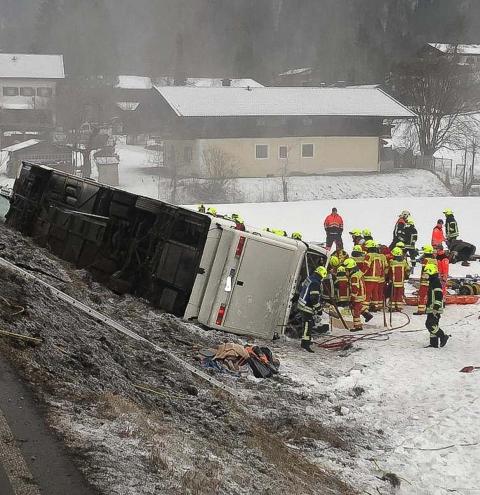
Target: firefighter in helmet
pixel 434 307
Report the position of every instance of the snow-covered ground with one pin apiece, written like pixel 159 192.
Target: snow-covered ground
pixel 427 411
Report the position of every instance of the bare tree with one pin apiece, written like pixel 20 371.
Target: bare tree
pixel 439 91
pixel 221 169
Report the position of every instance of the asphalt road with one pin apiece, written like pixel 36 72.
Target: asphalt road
pixel 33 461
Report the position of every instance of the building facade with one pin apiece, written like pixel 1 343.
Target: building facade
pixel 275 131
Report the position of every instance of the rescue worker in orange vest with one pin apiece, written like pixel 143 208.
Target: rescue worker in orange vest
pixel 333 225
pixel 443 268
pixel 427 257
pixel 374 274
pixel 397 274
pixel 438 238
pixel 358 254
pixel 358 304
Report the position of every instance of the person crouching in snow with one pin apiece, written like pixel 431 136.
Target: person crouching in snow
pixel 358 304
pixel 397 274
pixel 310 304
pixel 434 307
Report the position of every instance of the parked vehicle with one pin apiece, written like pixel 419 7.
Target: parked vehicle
pixel 187 263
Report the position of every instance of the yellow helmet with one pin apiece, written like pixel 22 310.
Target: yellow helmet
pixel 397 251
pixel 297 236
pixel 428 249
pixel 370 244
pixel 237 218
pixel 410 221
pixel 349 263
pixel 430 269
pixel 357 248
pixel 367 233
pixel 340 269
pixel 322 271
pixel 334 261
pixel 212 211
pixel 356 232
pixel 400 245
pixel 447 212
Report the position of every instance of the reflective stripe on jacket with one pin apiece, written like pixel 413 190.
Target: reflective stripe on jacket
pixel 374 267
pixel 357 287
pixel 397 272
pixel 310 291
pixel 451 228
pixel 435 295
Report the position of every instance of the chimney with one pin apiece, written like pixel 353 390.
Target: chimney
pixel 226 83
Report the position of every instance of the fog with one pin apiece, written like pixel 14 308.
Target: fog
pixel 349 40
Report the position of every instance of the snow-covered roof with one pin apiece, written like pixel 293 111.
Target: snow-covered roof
pixel 21 146
pixel 30 66
pixel 293 72
pixel 142 82
pixel 230 102
pixel 134 82
pixel 460 49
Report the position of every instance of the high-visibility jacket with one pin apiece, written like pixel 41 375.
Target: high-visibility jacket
pixel 443 265
pixel 437 235
pixel 310 294
pixel 451 227
pixel 333 223
pixel 435 295
pixel 357 287
pixel 359 257
pixel 342 286
pixel 426 259
pixel 411 236
pixel 374 268
pixel 397 272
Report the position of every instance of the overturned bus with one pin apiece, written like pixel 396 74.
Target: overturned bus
pixel 187 263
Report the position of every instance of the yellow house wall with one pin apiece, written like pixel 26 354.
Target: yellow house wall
pixel 330 154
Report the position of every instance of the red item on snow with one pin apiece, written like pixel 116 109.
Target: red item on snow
pixel 469 369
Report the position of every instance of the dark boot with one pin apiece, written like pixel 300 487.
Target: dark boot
pixel 465 263
pixel 443 338
pixel 419 313
pixel 433 342
pixel 356 329
pixel 368 316
pixel 307 345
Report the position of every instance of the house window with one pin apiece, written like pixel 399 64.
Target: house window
pixel 261 151
pixel 45 92
pixel 283 152
pixel 187 155
pixel 10 91
pixel 27 91
pixel 307 150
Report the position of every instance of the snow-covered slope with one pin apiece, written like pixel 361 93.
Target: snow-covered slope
pixel 137 175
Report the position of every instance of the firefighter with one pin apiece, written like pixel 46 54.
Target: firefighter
pixel 342 287
pixel 397 274
pixel 443 268
pixel 398 231
pixel 358 254
pixel 367 235
pixel 411 237
pixel 358 304
pixel 239 223
pixel 310 303
pixel 451 226
pixel 438 237
pixel 280 232
pixel 428 257
pixel 357 237
pixel 201 208
pixel 212 211
pixel 333 225
pixel 434 307
pixel 374 272
pixel 297 236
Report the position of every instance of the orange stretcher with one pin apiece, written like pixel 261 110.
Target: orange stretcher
pixel 449 299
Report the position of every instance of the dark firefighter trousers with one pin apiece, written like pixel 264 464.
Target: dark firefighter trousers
pixel 433 323
pixel 307 325
pixel 334 237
